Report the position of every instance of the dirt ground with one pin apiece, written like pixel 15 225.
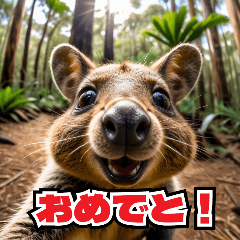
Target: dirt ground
pixel 25 163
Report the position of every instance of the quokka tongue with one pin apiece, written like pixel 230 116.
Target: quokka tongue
pixel 124 169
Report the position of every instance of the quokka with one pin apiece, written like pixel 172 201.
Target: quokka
pixel 121 131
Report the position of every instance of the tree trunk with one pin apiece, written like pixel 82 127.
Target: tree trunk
pixel 218 67
pixel 13 39
pixel 108 43
pixel 173 6
pixel 229 65
pixel 191 8
pixel 210 87
pixel 214 4
pixel 233 7
pixel 235 69
pixel 40 45
pixel 133 50
pixel 82 28
pixel 23 71
pixel 6 34
pixel 46 52
pixel 201 79
pixel 4 30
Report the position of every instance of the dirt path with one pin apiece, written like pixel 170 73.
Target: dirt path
pixel 13 161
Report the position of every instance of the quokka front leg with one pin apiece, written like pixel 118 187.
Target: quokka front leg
pixel 21 225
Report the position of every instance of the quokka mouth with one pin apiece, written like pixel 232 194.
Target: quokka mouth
pixel 124 170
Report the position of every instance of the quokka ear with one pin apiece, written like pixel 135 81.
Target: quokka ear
pixel 180 68
pixel 69 66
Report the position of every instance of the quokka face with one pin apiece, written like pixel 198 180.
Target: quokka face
pixel 123 129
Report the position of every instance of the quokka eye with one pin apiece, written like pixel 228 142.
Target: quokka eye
pixel 161 100
pixel 87 98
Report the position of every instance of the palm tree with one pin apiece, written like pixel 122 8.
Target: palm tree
pixel 23 71
pixel 171 27
pixel 216 57
pixel 82 28
pixel 12 44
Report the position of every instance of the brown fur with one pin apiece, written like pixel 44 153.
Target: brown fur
pixel 176 73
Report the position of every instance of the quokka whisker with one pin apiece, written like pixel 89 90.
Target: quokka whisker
pixel 58 123
pixel 198 108
pixel 179 141
pixel 144 61
pixel 210 155
pixel 64 116
pixel 77 149
pixel 64 124
pixel 59 114
pixel 186 159
pixel 163 156
pixel 179 121
pixel 197 147
pixel 157 157
pixel 197 97
pixel 40 129
pixel 43 156
pixel 85 153
pixel 175 127
pixel 57 140
pixel 175 151
pixel 40 149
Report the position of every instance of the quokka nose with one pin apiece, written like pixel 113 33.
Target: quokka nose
pixel 126 123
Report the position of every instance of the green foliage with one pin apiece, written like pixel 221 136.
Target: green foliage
pixel 5 9
pixel 136 3
pixel 48 100
pixel 171 30
pixel 57 6
pixel 147 58
pixel 229 115
pixel 12 100
pixel 129 44
pixel 187 105
pixel 213 148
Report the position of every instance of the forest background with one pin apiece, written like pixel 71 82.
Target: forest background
pixel 116 31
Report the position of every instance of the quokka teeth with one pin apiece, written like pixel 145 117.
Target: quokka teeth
pixel 135 170
pixel 110 167
pixel 114 171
